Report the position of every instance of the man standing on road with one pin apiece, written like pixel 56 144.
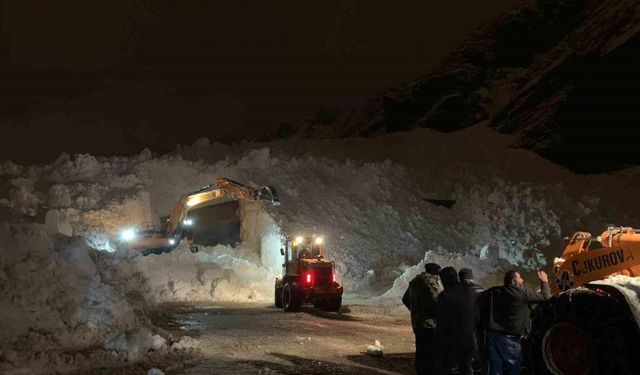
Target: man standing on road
pixel 457 323
pixel 421 298
pixel 473 290
pixel 505 312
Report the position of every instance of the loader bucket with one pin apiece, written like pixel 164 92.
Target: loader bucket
pixel 268 194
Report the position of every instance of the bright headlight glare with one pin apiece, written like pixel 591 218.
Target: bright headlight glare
pixel 128 234
pixel 172 242
pixel 319 240
pixel 188 222
pixel 299 240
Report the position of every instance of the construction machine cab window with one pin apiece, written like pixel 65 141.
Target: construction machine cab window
pixel 308 247
pixel 308 251
pixel 594 245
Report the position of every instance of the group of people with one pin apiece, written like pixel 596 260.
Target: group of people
pixel 455 321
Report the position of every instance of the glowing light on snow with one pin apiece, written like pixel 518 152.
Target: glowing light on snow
pixel 128 234
pixel 270 244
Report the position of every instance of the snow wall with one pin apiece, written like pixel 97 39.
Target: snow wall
pixel 66 287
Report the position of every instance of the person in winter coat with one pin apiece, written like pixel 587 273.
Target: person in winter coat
pixel 504 313
pixel 457 323
pixel 466 280
pixel 421 298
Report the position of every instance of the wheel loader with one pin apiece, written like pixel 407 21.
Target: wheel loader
pixel 177 227
pixel 307 277
pixel 591 325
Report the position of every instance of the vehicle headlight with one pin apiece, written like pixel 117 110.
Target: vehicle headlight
pixel 299 240
pixel 188 222
pixel 319 240
pixel 128 234
pixel 172 242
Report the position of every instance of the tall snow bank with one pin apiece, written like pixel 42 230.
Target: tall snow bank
pixel 518 219
pixel 52 293
pixel 374 215
pixel 64 292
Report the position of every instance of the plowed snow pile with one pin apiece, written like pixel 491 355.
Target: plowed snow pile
pixel 64 287
pixel 211 274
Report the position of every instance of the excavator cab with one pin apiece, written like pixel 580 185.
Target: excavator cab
pixel 307 277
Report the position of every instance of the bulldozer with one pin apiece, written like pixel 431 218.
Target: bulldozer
pixel 307 277
pixel 591 324
pixel 178 226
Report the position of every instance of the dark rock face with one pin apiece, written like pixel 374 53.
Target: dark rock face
pixel 447 99
pixel 560 75
pixel 579 104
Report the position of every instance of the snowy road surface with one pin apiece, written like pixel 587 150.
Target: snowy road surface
pixel 260 339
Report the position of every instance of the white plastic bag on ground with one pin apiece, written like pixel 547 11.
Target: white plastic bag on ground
pixel 375 350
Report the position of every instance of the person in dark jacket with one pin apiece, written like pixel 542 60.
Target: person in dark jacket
pixel 421 298
pixel 457 323
pixel 504 313
pixel 466 280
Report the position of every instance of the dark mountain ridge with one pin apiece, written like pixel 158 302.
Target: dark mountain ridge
pixel 559 75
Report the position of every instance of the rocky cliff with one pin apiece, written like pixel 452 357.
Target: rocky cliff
pixel 559 75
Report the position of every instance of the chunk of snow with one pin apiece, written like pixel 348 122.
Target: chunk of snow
pixel 56 225
pixel 76 256
pixel 375 350
pixel 186 343
pixel 134 344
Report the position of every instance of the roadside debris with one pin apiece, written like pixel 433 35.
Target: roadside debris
pixel 375 350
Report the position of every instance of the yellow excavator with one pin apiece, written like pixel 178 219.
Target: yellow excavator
pixel 177 226
pixel 591 325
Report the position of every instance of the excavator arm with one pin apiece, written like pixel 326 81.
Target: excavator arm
pixel 616 252
pixel 220 188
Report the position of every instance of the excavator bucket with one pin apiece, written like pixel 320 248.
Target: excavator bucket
pixel 267 194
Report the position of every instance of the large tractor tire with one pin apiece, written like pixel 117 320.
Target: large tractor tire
pixel 291 298
pixel 278 296
pixel 584 332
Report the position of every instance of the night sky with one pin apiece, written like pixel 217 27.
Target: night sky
pixel 114 77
